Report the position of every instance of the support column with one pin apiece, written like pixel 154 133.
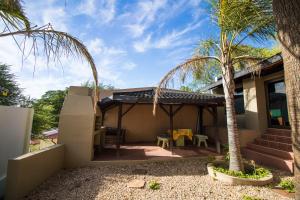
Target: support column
pixel 119 128
pixel 199 127
pixel 171 125
pixel 102 117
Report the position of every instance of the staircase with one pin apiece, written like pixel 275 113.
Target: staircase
pixel 273 149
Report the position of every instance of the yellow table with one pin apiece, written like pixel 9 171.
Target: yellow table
pixel 183 132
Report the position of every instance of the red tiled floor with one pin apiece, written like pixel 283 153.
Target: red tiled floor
pixel 151 152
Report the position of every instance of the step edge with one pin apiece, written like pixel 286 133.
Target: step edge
pixel 268 155
pixel 274 141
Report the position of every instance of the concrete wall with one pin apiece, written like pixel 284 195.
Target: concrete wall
pixel 142 126
pixel 28 171
pixel 77 126
pixel 15 130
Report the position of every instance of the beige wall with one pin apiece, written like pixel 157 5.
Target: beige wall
pixel 28 171
pixel 142 126
pixel 15 130
pixel 77 126
pixel 255 102
pixel 246 135
pixel 255 120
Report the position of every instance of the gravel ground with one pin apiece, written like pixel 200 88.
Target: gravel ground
pixel 180 179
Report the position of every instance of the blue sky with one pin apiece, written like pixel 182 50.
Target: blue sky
pixel 134 42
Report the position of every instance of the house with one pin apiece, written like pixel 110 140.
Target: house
pixel 261 107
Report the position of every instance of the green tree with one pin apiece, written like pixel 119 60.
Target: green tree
pixel 10 93
pixel 43 119
pixel 101 86
pixel 47 110
pixel 238 21
pixel 54 43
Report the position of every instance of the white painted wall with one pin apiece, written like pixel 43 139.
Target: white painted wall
pixel 15 130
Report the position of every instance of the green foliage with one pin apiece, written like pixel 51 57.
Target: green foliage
pixel 250 172
pixel 47 110
pixel 246 197
pixel 101 86
pixel 210 158
pixel 288 185
pixel 10 93
pixel 186 88
pixel 154 185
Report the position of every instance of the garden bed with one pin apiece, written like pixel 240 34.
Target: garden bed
pixel 227 176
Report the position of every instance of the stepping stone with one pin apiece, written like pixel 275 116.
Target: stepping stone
pixel 136 183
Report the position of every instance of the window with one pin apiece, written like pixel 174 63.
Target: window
pixel 239 101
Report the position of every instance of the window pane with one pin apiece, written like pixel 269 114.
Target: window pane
pixel 239 101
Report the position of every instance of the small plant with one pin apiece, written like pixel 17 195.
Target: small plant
pixel 154 185
pixel 226 151
pixel 252 173
pixel 246 197
pixel 210 158
pixel 287 185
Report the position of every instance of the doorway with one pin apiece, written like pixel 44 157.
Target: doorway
pixel 277 104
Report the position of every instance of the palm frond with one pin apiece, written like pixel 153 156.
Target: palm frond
pixel 242 19
pixel 208 47
pixel 12 14
pixel 57 43
pixel 189 66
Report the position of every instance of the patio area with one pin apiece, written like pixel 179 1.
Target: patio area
pixel 152 152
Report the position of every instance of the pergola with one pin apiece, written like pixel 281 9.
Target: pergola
pixel 170 101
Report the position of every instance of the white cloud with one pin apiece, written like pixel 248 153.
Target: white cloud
pixel 173 39
pixel 143 45
pixel 103 11
pixel 143 16
pixel 129 66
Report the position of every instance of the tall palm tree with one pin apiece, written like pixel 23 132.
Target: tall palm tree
pixel 54 43
pixel 287 15
pixel 238 21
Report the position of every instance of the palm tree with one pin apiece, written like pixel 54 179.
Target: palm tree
pixel 287 15
pixel 54 43
pixel 238 21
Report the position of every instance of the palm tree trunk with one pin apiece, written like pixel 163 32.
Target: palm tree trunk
pixel 287 15
pixel 235 162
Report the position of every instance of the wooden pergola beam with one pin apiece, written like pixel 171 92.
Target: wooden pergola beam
pixel 131 106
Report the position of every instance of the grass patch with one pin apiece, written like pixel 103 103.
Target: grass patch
pixel 154 185
pixel 287 185
pixel 251 172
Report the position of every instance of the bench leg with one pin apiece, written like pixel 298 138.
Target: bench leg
pixel 199 143
pixel 205 143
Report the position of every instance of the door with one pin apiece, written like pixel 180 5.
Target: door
pixel 277 104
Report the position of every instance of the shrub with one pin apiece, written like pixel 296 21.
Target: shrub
pixel 154 185
pixel 250 172
pixel 287 185
pixel 246 197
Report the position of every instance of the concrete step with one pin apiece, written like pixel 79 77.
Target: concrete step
pixel 279 132
pixel 277 138
pixel 274 144
pixel 271 151
pixel 268 160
